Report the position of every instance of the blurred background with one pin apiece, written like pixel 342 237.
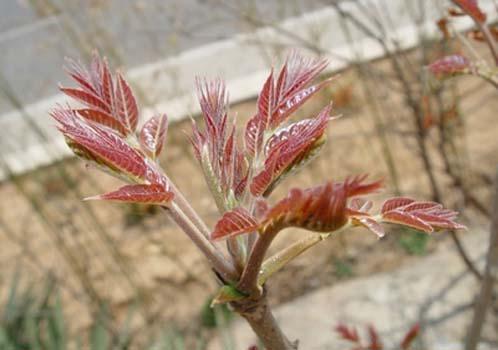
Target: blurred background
pixel 75 274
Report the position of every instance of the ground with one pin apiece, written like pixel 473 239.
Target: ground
pixel 127 254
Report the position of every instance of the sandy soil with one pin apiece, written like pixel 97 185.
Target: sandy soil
pixel 134 254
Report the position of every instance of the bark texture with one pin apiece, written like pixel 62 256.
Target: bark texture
pixel 490 277
pixel 258 314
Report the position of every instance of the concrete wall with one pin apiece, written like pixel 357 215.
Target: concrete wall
pixel 28 138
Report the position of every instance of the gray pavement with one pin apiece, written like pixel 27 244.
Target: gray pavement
pixel 35 35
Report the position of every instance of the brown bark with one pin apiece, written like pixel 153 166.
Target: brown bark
pixel 257 313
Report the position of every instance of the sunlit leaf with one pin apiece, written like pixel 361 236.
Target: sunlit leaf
pixel 153 134
pixel 149 194
pixel 110 101
pixel 103 118
pixel 288 149
pixel 233 223
pixel 421 215
pixel 394 203
pixel 374 339
pixel 406 219
pixel 126 104
pixel 370 224
pixel 410 336
pixel 449 66
pixel 321 208
pixel 216 147
pixel 347 333
pixel 292 103
pixel 86 98
pixel 81 75
pixel 471 7
pixel 100 144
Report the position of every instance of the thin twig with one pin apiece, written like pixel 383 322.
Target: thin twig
pixel 485 296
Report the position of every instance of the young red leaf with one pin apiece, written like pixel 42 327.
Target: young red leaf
pixel 99 144
pixel 291 91
pixel 371 224
pixel 253 137
pixel 361 205
pixel 215 147
pixel 322 208
pixel 449 66
pixel 150 194
pixel 107 84
pixel 394 203
pixel 81 75
pixel 471 7
pixel 423 216
pixel 103 118
pixel 281 97
pixel 110 101
pixel 153 134
pixel 406 219
pixel 288 149
pixel 410 336
pixel 348 333
pixel 293 102
pixel 87 98
pixel 299 72
pixel 234 223
pixel 375 343
pixel 126 104
pixel 266 101
pixel 256 126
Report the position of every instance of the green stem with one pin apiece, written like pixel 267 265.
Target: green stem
pixel 283 257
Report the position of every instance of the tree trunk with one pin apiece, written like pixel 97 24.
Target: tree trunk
pixel 490 277
pixel 257 313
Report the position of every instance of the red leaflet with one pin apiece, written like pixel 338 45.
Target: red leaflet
pixel 322 208
pixel 406 219
pixel 153 134
pixel 103 118
pixel 449 66
pixel 358 212
pixel 266 101
pixel 375 343
pixel 257 125
pixel 410 337
pixel 291 92
pixel 347 333
pixel 234 223
pixel 361 205
pixel 423 216
pixel 395 203
pixel 288 149
pixel 86 98
pixel 281 97
pixel 293 102
pixel 126 104
pixel 216 147
pixel 107 84
pixel 150 194
pixel 100 144
pixel 253 137
pixel 471 8
pixel 110 102
pixel 370 224
pixel 81 75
